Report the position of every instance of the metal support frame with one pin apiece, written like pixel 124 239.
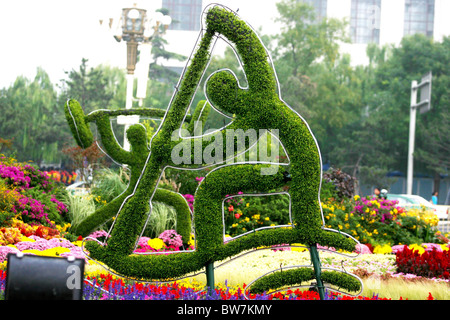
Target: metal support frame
pixel 315 259
pixel 210 276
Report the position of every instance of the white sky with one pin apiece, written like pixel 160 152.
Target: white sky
pixel 57 34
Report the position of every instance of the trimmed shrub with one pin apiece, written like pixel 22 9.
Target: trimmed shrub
pixel 258 107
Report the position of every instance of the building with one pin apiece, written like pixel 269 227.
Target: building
pixel 386 22
pixel 383 22
pixel 369 21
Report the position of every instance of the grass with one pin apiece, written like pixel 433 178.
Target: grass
pixel 162 218
pixel 80 206
pixel 396 288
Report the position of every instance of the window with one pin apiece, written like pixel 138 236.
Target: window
pixel 185 14
pixel 320 8
pixel 365 21
pixel 419 17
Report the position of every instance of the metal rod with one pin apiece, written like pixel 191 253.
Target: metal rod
pixel 412 132
pixel 210 276
pixel 317 270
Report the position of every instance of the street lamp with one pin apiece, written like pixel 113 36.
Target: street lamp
pixel 138 28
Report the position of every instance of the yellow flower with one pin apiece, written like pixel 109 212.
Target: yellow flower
pixel 382 249
pixel 77 243
pixel 266 218
pixel 356 198
pixel 23 238
pixel 52 252
pixel 298 249
pixel 247 219
pixel 247 204
pixel 416 247
pixel 156 243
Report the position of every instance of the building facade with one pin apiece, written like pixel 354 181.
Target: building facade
pixel 369 21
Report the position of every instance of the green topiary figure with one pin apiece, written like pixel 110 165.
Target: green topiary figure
pixel 135 159
pixel 258 107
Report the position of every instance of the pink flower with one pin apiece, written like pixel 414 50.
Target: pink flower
pixel 171 238
pixel 363 249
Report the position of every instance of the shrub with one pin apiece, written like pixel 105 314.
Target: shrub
pixel 258 107
pixel 378 221
pixel 30 193
pixel 337 184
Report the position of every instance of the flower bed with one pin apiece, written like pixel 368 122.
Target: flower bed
pixel 434 263
pixel 30 194
pixel 380 222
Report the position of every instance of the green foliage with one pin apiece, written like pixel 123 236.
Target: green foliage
pixel 302 276
pixel 379 221
pixel 258 107
pixel 135 159
pixel 162 217
pixel 80 207
pixel 109 184
pixel 337 184
pixel 243 214
pixel 30 119
pixel 89 86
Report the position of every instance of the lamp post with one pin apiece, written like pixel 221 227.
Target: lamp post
pixel 136 27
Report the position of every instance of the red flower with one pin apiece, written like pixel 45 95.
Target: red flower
pixel 237 215
pixel 230 208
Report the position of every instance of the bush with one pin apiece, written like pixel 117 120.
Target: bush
pixel 378 221
pixel 337 184
pixel 30 194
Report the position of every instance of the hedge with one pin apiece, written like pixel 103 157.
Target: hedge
pixel 257 107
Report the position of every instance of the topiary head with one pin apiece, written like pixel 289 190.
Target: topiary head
pixel 223 91
pixel 77 123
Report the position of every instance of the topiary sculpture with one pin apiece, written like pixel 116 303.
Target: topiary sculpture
pixel 258 107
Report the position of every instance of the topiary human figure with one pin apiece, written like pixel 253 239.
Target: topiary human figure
pixel 134 159
pixel 257 107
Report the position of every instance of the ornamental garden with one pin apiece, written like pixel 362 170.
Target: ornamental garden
pixel 258 203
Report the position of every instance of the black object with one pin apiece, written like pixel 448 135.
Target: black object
pixel 30 277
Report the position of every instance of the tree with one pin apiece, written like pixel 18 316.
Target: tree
pixel 390 103
pixel 89 87
pixel 313 77
pixel 30 116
